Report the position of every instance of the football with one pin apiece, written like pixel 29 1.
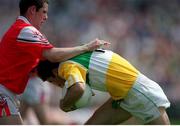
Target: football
pixel 84 99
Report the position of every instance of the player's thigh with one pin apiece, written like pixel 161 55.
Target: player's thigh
pixel 132 121
pixel 108 115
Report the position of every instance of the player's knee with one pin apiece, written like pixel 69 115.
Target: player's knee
pixel 163 119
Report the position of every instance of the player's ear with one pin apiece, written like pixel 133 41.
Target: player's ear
pixel 32 9
pixel 55 72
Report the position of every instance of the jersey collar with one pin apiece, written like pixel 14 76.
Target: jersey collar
pixel 24 19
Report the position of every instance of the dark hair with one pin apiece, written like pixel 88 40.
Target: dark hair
pixel 44 69
pixel 25 4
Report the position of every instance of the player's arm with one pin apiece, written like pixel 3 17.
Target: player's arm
pixel 32 41
pixel 62 54
pixel 75 84
pixel 72 95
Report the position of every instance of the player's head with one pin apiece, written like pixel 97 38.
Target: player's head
pixel 36 11
pixel 25 4
pixel 45 69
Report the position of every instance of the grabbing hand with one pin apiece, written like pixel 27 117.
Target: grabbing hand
pixel 95 44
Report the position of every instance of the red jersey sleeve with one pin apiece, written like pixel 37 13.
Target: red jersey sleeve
pixel 30 40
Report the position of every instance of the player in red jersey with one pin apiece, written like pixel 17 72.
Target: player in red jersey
pixel 21 48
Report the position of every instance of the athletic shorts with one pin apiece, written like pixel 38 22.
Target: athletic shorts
pixel 9 104
pixel 35 92
pixel 144 98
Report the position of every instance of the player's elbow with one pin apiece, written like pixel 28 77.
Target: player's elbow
pixel 79 89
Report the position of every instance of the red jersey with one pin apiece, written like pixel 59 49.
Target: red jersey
pixel 20 51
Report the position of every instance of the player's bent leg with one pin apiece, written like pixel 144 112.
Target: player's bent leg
pixel 40 110
pixel 132 121
pixel 163 119
pixel 108 115
pixel 23 109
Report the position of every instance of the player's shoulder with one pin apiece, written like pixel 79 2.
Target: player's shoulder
pixel 31 34
pixel 30 30
pixel 26 28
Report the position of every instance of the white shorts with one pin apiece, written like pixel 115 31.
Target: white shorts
pixel 9 104
pixel 35 92
pixel 144 98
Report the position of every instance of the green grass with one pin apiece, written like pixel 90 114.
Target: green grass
pixel 175 122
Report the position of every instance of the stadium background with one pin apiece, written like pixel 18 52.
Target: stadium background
pixel 146 32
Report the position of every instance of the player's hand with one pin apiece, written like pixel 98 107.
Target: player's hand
pixel 95 44
pixel 66 108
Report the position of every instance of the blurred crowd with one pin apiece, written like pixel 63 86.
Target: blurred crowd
pixel 146 32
